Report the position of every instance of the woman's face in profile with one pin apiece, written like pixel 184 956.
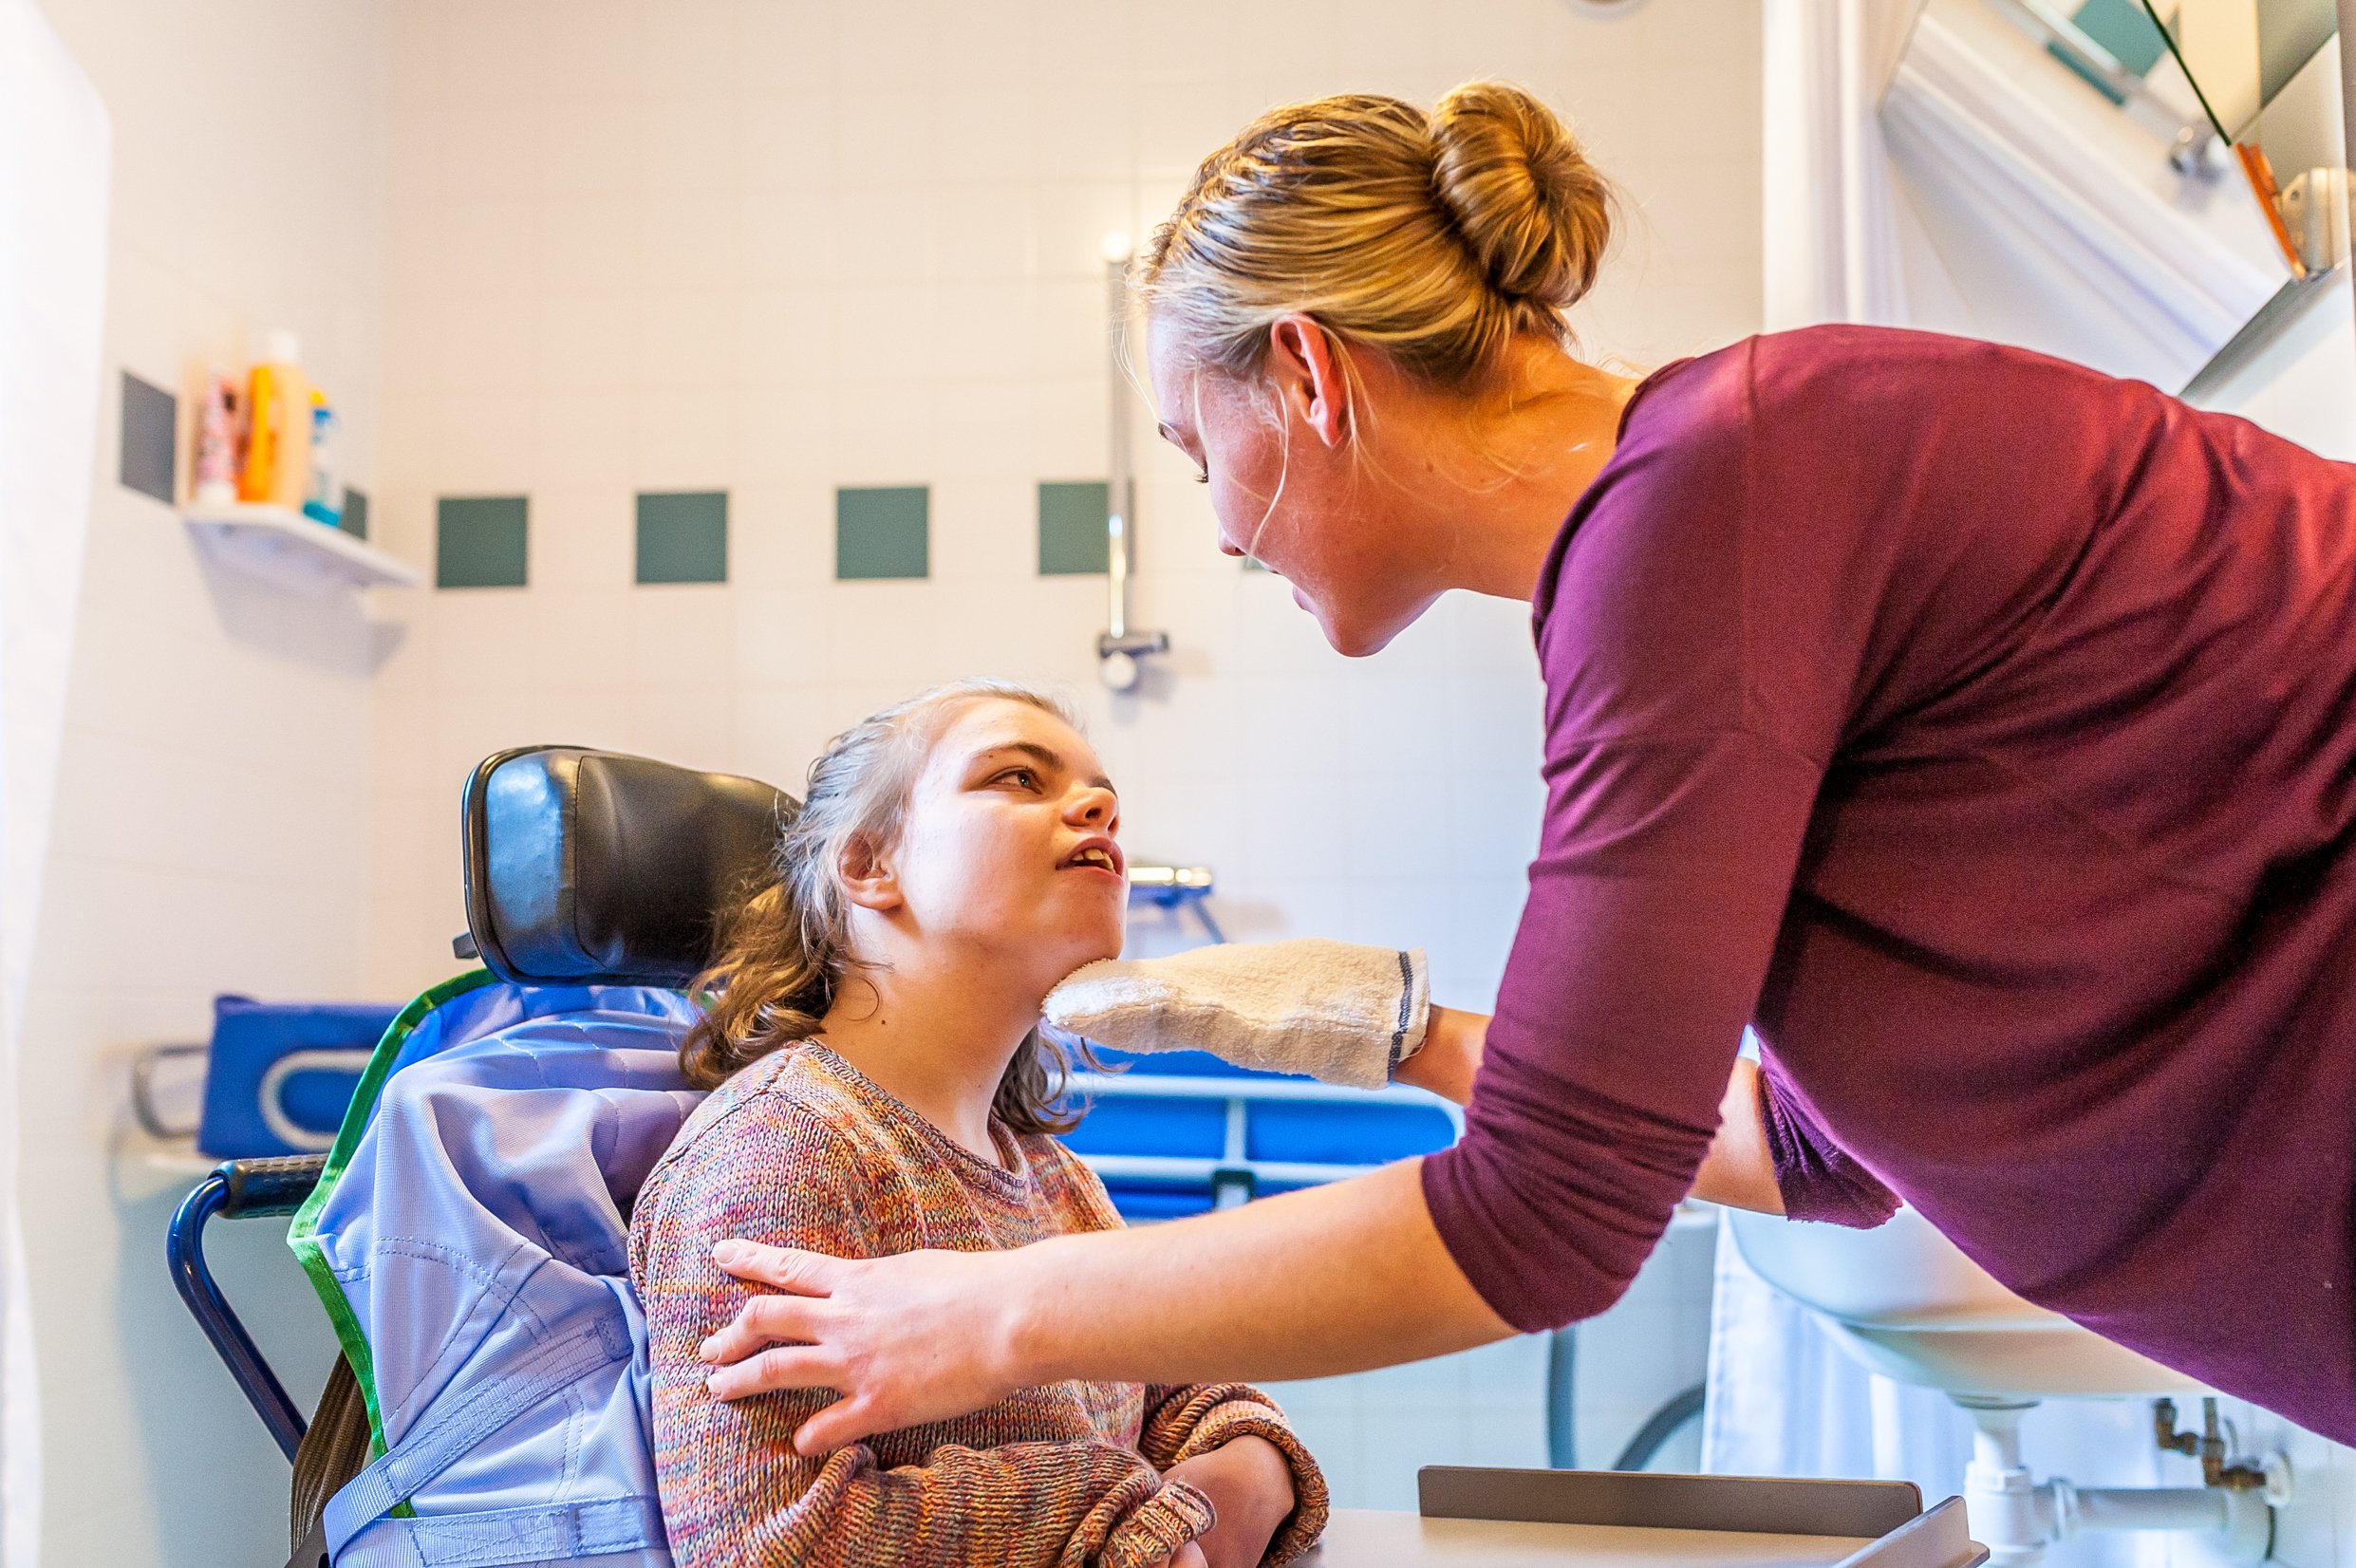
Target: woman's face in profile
pixel 1011 843
pixel 1318 515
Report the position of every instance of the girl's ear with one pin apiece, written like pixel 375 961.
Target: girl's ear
pixel 867 877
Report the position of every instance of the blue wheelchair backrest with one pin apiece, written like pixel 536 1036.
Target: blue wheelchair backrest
pixel 469 1240
pixel 469 1234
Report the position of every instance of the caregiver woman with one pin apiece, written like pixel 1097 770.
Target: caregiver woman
pixel 1979 728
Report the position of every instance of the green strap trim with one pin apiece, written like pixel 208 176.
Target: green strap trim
pixel 303 1235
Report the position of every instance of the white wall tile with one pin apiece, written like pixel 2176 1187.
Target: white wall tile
pixel 690 49
pixel 786 137
pixel 690 236
pixel 490 151
pixel 686 338
pixel 683 438
pixel 586 437
pixel 787 335
pixel 592 146
pixel 589 242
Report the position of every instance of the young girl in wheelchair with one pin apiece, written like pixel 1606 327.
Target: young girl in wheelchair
pixel 880 1084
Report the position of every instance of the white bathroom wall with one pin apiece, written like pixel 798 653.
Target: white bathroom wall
pixel 211 823
pixel 774 248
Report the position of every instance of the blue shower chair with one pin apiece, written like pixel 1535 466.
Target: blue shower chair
pixel 589 869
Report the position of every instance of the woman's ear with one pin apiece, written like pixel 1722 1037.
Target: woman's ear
pixel 866 876
pixel 1307 373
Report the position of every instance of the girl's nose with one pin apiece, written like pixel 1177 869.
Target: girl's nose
pixel 1098 807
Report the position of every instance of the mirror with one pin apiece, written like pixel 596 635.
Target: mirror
pixel 2152 187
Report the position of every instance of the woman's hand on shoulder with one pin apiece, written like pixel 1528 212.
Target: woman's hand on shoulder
pixel 913 1337
pixel 1251 1486
pixel 1188 1555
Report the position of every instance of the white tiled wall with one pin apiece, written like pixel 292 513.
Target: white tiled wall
pixel 775 247
pixel 210 827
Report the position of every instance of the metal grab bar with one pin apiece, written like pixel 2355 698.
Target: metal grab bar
pixel 143 1075
pixel 1120 645
pixel 1233 1175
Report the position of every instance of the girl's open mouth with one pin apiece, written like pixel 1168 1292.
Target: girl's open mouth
pixel 1095 854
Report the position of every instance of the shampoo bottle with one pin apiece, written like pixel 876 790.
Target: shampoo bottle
pixel 277 464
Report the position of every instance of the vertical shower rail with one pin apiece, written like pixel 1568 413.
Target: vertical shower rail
pixel 1119 648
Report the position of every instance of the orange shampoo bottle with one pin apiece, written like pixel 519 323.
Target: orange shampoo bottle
pixel 277 462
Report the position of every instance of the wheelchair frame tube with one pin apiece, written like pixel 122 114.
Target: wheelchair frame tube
pixel 234 1189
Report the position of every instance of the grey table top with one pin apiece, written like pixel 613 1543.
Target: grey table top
pixel 1363 1537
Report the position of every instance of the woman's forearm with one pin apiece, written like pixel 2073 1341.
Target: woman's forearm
pixel 1329 1279
pixel 1738 1171
pixel 1450 1056
pixel 1270 1294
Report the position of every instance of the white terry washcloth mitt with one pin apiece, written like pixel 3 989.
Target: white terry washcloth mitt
pixel 1333 1010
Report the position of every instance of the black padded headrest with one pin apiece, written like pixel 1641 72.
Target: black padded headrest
pixel 588 868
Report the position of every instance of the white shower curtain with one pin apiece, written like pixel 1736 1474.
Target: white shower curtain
pixel 1828 202
pixel 53 203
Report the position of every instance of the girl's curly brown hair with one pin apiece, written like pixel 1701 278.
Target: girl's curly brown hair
pixel 785 953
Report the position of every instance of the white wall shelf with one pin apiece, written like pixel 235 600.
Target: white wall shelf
pixel 283 546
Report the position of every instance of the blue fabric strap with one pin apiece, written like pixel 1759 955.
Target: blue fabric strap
pixel 566 1533
pixel 427 1451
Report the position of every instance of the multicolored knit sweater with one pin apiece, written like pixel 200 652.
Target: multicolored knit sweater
pixel 802 1150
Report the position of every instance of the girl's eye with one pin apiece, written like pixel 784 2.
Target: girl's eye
pixel 1028 776
pixel 1202 476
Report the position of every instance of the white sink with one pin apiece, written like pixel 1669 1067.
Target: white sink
pixel 1905 1302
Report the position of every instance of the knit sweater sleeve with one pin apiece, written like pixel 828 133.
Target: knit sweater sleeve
pixel 734 1490
pixel 1185 1420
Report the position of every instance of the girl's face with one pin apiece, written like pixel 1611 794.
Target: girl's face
pixel 1010 844
pixel 1307 509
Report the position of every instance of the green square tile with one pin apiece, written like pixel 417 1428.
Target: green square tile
pixel 353 519
pixel 1072 538
pixel 883 531
pixel 683 537
pixel 479 541
pixel 150 439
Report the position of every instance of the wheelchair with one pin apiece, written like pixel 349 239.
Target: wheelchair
pixel 583 868
pixel 587 870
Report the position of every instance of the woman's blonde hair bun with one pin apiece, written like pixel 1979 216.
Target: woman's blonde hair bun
pixel 1536 215
pixel 1437 236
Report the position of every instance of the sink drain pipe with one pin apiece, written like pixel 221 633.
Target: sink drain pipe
pixel 2018 1515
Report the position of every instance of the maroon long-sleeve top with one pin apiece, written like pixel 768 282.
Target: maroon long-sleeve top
pixel 1983 731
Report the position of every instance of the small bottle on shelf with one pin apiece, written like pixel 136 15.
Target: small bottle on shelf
pixel 323 501
pixel 277 459
pixel 215 468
